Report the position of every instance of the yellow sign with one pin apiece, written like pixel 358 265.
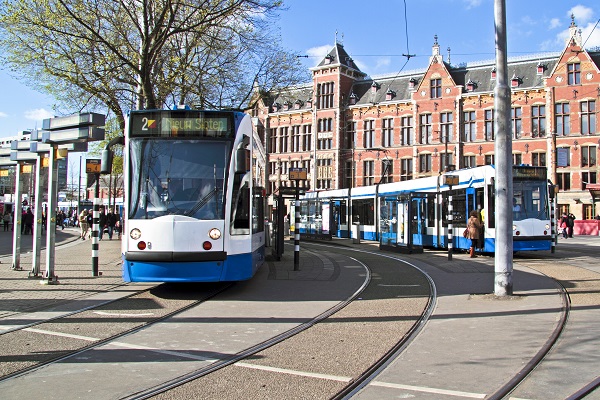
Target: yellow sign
pixel 26 169
pixel 4 172
pixel 297 174
pixel 92 166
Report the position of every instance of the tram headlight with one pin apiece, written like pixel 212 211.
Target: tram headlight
pixel 135 234
pixel 514 227
pixel 547 226
pixel 214 233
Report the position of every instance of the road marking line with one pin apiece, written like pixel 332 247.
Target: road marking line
pixel 122 315
pixel 67 335
pixel 399 285
pixel 167 352
pixel 429 390
pixel 294 372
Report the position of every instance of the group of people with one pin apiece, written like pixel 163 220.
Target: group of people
pixel 567 222
pixel 111 222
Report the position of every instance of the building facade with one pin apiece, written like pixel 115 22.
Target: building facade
pixel 349 130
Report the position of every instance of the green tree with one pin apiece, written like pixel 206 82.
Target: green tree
pixel 116 55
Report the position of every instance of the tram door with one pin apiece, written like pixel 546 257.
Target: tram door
pixel 338 219
pixel 470 202
pixel 403 221
pixel 418 219
pixel 389 221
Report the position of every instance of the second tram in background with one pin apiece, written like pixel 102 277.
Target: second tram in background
pixel 413 214
pixel 194 198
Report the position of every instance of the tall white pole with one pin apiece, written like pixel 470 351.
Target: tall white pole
pixel 503 268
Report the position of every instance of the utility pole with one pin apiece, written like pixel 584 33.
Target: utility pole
pixel 503 267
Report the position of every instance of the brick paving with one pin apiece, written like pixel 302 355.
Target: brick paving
pixel 73 267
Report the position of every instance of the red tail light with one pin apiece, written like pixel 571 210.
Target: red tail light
pixel 207 245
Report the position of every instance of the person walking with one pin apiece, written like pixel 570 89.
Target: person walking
pixel 28 221
pixel 102 222
pixel 90 222
pixel 83 225
pixel 474 229
pixel 564 224
pixel 6 220
pixel 570 224
pixel 111 220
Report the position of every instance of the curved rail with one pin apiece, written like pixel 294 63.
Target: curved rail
pixel 254 349
pixel 100 342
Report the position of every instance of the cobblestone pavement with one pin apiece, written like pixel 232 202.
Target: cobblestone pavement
pixel 73 267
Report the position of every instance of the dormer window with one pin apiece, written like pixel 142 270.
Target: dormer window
pixel 328 59
pixel 541 68
pixel 276 107
pixel 309 103
pixel 515 81
pixel 390 94
pixel 412 83
pixel 298 104
pixel 352 99
pixel 374 87
pixel 471 86
pixel 287 105
pixel 494 73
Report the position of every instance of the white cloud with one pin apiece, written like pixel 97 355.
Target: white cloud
pixel 594 39
pixel 472 3
pixel 320 51
pixel 382 62
pixel 554 23
pixel 582 14
pixel 3 114
pixel 38 114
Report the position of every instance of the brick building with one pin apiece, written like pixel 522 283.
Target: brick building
pixel 351 130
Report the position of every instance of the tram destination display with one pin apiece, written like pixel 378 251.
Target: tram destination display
pixel 180 124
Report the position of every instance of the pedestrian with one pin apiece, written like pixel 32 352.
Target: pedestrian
pixel 474 230
pixel 6 220
pixel 102 222
pixel 570 224
pixel 564 225
pixel 83 225
pixel 90 222
pixel 28 221
pixel 111 220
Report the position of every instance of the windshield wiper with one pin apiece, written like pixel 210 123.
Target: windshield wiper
pixel 202 202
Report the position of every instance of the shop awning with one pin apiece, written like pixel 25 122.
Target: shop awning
pixel 594 189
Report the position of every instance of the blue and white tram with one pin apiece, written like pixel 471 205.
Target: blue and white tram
pixel 194 204
pixel 415 212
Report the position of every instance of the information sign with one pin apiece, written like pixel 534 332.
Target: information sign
pixel 92 166
pixel 297 174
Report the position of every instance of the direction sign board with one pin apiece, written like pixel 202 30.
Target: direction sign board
pixel 296 174
pixel 92 166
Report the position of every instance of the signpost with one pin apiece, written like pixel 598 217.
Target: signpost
pixel 297 174
pixel 77 128
pixel 450 180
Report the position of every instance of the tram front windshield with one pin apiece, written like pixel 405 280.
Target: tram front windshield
pixel 177 177
pixel 530 200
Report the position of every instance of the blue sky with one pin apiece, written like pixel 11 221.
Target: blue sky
pixel 374 33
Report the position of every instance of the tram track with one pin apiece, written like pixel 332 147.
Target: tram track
pixel 323 329
pixel 25 348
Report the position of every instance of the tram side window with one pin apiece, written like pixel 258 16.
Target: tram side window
pixel 258 211
pixel 490 213
pixel 459 208
pixel 431 203
pixel 240 218
pixel 363 211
